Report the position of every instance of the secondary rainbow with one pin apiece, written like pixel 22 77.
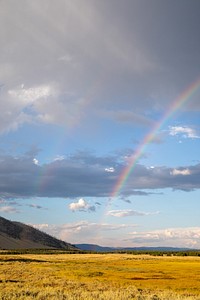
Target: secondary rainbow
pixel 176 104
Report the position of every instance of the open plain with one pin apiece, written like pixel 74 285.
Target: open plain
pixel 98 276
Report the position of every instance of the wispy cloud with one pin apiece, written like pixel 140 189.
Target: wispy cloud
pixel 128 213
pixel 9 209
pixel 129 117
pixel 2 201
pixel 184 131
pixel 36 206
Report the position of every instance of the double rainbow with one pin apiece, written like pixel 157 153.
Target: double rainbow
pixel 175 106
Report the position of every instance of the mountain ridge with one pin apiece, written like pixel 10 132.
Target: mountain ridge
pixel 16 235
pixel 97 248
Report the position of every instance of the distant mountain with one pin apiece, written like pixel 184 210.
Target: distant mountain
pixel 97 248
pixel 16 235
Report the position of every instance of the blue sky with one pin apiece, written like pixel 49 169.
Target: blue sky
pixel 82 83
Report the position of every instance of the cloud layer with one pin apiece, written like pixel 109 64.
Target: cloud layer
pixel 85 232
pixel 88 56
pixel 86 175
pixel 181 237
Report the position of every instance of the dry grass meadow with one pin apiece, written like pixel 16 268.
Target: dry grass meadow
pixel 98 276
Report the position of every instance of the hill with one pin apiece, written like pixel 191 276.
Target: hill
pixel 16 235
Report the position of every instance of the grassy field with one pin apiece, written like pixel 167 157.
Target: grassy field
pixel 98 276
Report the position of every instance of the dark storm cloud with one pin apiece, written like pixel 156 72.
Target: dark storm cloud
pixel 20 177
pixel 62 60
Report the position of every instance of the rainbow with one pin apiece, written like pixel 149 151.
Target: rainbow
pixel 176 104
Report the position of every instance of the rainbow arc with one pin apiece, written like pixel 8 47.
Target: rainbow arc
pixel 184 97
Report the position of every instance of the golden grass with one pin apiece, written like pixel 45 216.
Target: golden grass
pixel 98 276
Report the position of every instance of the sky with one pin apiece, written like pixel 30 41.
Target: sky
pixel 100 120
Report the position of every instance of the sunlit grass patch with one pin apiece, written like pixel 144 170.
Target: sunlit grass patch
pixel 99 276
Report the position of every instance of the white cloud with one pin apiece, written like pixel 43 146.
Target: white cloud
pixel 81 205
pixel 59 157
pixel 43 227
pixel 35 161
pixel 28 96
pixel 47 103
pixel 183 172
pixel 110 170
pixel 85 225
pixel 9 209
pixel 128 213
pixel 184 131
pixel 176 237
pixel 87 232
pixel 17 105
